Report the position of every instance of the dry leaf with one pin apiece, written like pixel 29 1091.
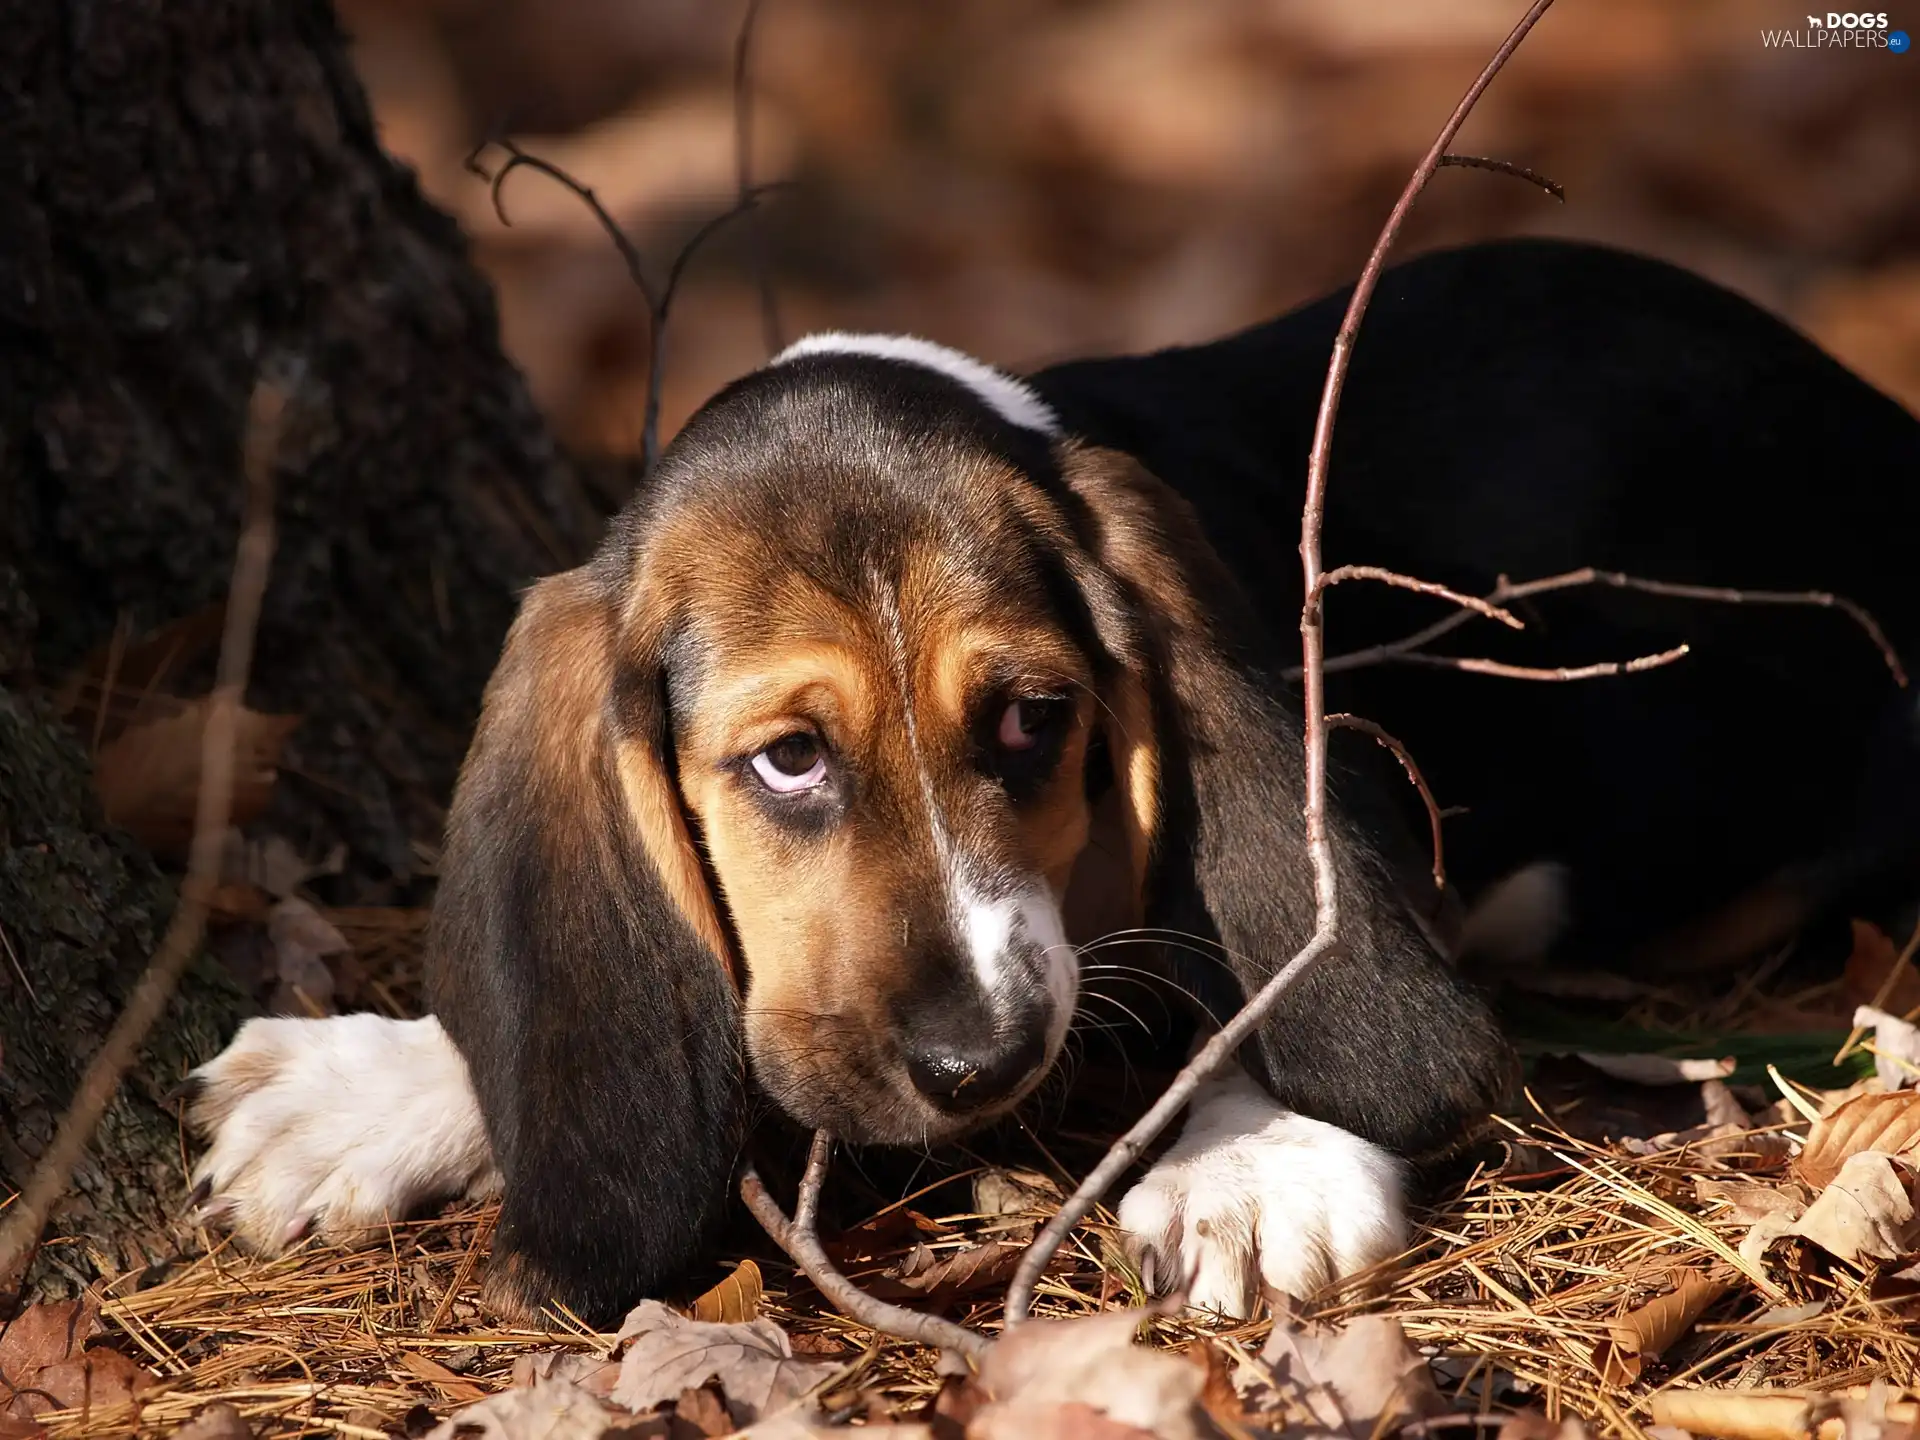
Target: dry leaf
pixel 131 677
pixel 453 1387
pixel 1896 1047
pixel 45 1365
pixel 1872 961
pixel 302 940
pixel 1866 1212
pixel 1734 1414
pixel 1073 1420
pixel 1646 1333
pixel 1888 1123
pixel 1748 1201
pixel 703 1411
pixel 667 1353
pixel 1362 1378
pixel 925 1275
pixel 148 778
pixel 1090 1361
pixel 547 1410
pixel 1217 1397
pixel 1532 1425
pixel 735 1300
pixel 997 1191
pixel 591 1373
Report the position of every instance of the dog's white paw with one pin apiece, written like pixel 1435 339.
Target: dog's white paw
pixel 1253 1197
pixel 334 1127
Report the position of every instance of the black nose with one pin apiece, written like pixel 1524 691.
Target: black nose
pixel 971 1076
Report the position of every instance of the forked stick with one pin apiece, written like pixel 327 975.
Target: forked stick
pixel 1312 645
pixel 20 1233
pixel 800 1238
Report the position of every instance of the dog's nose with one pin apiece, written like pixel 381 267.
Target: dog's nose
pixel 965 1077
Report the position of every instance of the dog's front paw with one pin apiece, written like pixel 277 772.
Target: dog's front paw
pixel 1253 1196
pixel 334 1127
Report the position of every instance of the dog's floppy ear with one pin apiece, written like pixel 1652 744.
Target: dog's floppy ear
pixel 580 965
pixel 1384 1040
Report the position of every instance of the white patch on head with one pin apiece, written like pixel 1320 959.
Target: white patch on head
pixel 335 1126
pixel 988 927
pixel 1520 918
pixel 1254 1198
pixel 1012 400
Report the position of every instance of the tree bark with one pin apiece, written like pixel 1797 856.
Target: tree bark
pixel 194 189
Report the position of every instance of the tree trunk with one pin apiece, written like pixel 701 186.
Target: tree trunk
pixel 195 189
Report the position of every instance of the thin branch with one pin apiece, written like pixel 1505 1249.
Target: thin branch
pixel 1506 592
pixel 1344 721
pixel 1507 167
pixel 799 1238
pixel 1555 674
pixel 659 303
pixel 1425 587
pixel 1325 938
pixel 518 159
pixel 27 1216
pixel 743 176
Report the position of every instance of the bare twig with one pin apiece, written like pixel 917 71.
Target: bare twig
pixel 1325 938
pixel 20 1232
pixel 659 301
pixel 1507 167
pixel 800 1240
pixel 1425 587
pixel 1599 671
pixel 743 175
pixel 1506 592
pixel 1344 721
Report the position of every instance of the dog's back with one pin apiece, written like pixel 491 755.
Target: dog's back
pixel 1533 407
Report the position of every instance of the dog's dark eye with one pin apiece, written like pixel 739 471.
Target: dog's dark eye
pixel 792 763
pixel 1024 722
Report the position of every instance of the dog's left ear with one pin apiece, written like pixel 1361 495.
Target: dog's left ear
pixel 1383 1039
pixel 579 963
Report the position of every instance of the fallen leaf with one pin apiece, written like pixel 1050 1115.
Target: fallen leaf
pixel 450 1385
pixel 1217 1396
pixel 702 1410
pixel 1363 1378
pixel 1866 1212
pixel 1091 1362
pixel 1721 1107
pixel 1734 1414
pixel 667 1353
pixel 128 677
pixel 1659 1069
pixel 45 1363
pixel 1871 964
pixel 591 1373
pixel 1748 1201
pixel 925 1275
pixel 1532 1425
pixel 998 1191
pixel 735 1300
pixel 1071 1420
pixel 1646 1332
pixel 302 940
pixel 148 778
pixel 547 1410
pixel 1896 1047
pixel 1888 1123
pixel 219 1421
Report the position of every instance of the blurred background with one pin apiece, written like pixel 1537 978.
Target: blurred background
pixel 1037 179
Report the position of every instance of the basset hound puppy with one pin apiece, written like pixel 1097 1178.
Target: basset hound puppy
pixel 901 679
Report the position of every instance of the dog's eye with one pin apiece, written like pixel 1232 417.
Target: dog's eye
pixel 1023 722
pixel 792 763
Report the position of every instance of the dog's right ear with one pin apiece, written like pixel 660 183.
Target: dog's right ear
pixel 579 963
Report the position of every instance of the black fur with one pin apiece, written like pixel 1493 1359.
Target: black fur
pixel 601 1035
